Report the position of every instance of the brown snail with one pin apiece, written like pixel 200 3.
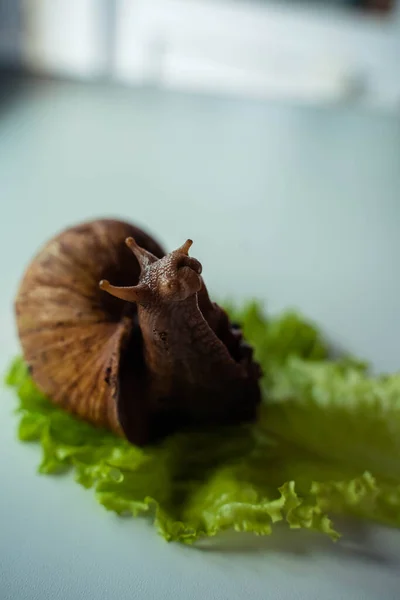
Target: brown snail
pixel 144 355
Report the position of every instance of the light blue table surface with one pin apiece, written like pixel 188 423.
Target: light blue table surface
pixel 296 206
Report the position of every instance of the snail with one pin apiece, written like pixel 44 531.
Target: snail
pixel 125 336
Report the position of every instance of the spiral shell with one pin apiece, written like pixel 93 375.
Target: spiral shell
pixel 74 337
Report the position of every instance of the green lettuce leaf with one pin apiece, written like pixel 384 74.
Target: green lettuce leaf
pixel 327 442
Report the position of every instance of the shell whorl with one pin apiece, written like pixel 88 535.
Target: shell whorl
pixel 73 335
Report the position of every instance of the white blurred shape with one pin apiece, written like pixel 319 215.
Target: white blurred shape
pixel 65 37
pixel 257 49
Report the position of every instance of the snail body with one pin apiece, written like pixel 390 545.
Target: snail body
pixel 144 355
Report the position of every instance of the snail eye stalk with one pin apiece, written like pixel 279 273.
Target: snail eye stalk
pixel 144 258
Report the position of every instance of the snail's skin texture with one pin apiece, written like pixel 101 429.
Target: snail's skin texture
pixel 145 355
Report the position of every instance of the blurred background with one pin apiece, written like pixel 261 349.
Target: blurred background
pixel 326 50
pixel 268 131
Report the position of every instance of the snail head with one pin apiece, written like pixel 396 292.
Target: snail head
pixel 172 278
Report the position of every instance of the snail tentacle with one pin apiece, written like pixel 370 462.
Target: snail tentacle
pixel 184 249
pixel 135 293
pixel 144 257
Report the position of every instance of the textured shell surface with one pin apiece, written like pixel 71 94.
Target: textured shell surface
pixel 72 333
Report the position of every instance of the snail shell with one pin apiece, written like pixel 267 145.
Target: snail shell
pixel 72 334
pixel 84 347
